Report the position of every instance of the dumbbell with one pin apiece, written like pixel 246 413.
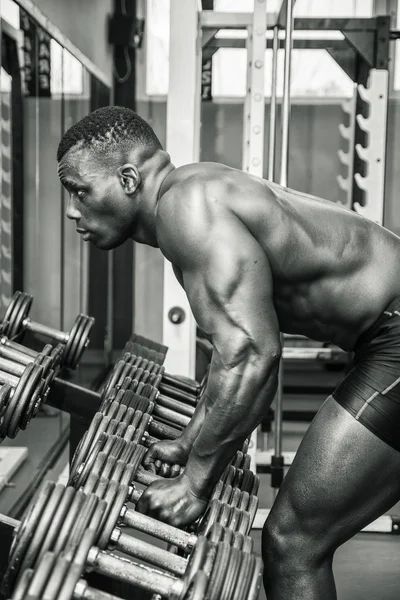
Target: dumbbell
pixel 57 577
pixel 114 407
pixel 16 321
pixel 232 509
pixel 122 407
pixel 133 428
pixel 124 432
pixel 20 398
pixel 153 351
pixel 173 383
pixel 169 409
pixel 143 399
pixel 111 536
pixel 127 366
pixel 61 518
pixel 23 355
pixel 117 382
pixel 114 458
pixel 148 344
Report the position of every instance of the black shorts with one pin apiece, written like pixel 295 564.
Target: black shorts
pixel 371 390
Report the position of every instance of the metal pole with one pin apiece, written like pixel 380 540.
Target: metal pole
pixel 277 459
pixel 272 113
pixel 183 144
pixel 286 94
pixel 253 120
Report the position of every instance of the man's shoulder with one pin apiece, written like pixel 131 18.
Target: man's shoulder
pixel 180 212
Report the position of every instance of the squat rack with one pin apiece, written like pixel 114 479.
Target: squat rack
pixel 361 48
pixel 363 53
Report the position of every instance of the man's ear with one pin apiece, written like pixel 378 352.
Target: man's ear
pixel 129 177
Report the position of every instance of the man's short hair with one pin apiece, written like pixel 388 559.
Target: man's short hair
pixel 108 128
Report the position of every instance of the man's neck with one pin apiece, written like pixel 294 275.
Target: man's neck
pixel 154 174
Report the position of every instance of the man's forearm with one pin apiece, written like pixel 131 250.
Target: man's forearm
pixel 192 430
pixel 235 405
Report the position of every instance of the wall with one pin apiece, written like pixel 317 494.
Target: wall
pixel 85 24
pixel 313 167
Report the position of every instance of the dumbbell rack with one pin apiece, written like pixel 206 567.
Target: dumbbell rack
pixel 73 398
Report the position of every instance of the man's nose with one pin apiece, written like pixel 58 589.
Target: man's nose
pixel 72 212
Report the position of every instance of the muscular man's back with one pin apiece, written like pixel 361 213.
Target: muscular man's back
pixel 334 271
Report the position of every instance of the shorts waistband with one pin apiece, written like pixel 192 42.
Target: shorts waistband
pixel 392 311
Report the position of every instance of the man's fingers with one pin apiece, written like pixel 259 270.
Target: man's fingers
pixel 175 470
pixel 142 505
pixel 148 459
pixel 165 470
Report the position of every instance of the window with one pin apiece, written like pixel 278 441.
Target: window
pixel 10 12
pixel 66 72
pixel 314 72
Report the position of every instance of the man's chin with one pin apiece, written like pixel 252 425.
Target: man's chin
pixel 107 244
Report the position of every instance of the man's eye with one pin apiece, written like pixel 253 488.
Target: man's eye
pixel 80 193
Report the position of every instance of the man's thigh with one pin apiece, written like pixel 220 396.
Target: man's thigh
pixel 342 478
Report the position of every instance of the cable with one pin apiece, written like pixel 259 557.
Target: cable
pixel 128 63
pixel 128 73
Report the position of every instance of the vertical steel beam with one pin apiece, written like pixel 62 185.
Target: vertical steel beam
pixel 283 180
pixel 272 109
pixel 183 144
pixel 286 95
pixel 254 117
pixel 254 106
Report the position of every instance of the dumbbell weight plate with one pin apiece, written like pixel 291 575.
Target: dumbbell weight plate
pixel 247 481
pixel 6 321
pixel 56 579
pixel 73 342
pixel 201 553
pixel 234 519
pixel 82 450
pixel 77 341
pixel 252 508
pixel 41 575
pixel 232 573
pixel 243 582
pixel 83 521
pixel 220 566
pixel 21 590
pixel 25 533
pixel 57 520
pixel 244 526
pixel 21 397
pixel 115 497
pixel 71 579
pixel 256 578
pixel 5 392
pixel 247 545
pixel 38 397
pixel 20 313
pixel 196 587
pixel 113 380
pixel 68 525
pixel 209 518
pixel 44 361
pixel 34 547
pixel 56 355
pixel 70 346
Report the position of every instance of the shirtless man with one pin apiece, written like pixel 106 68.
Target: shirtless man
pixel 256 259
